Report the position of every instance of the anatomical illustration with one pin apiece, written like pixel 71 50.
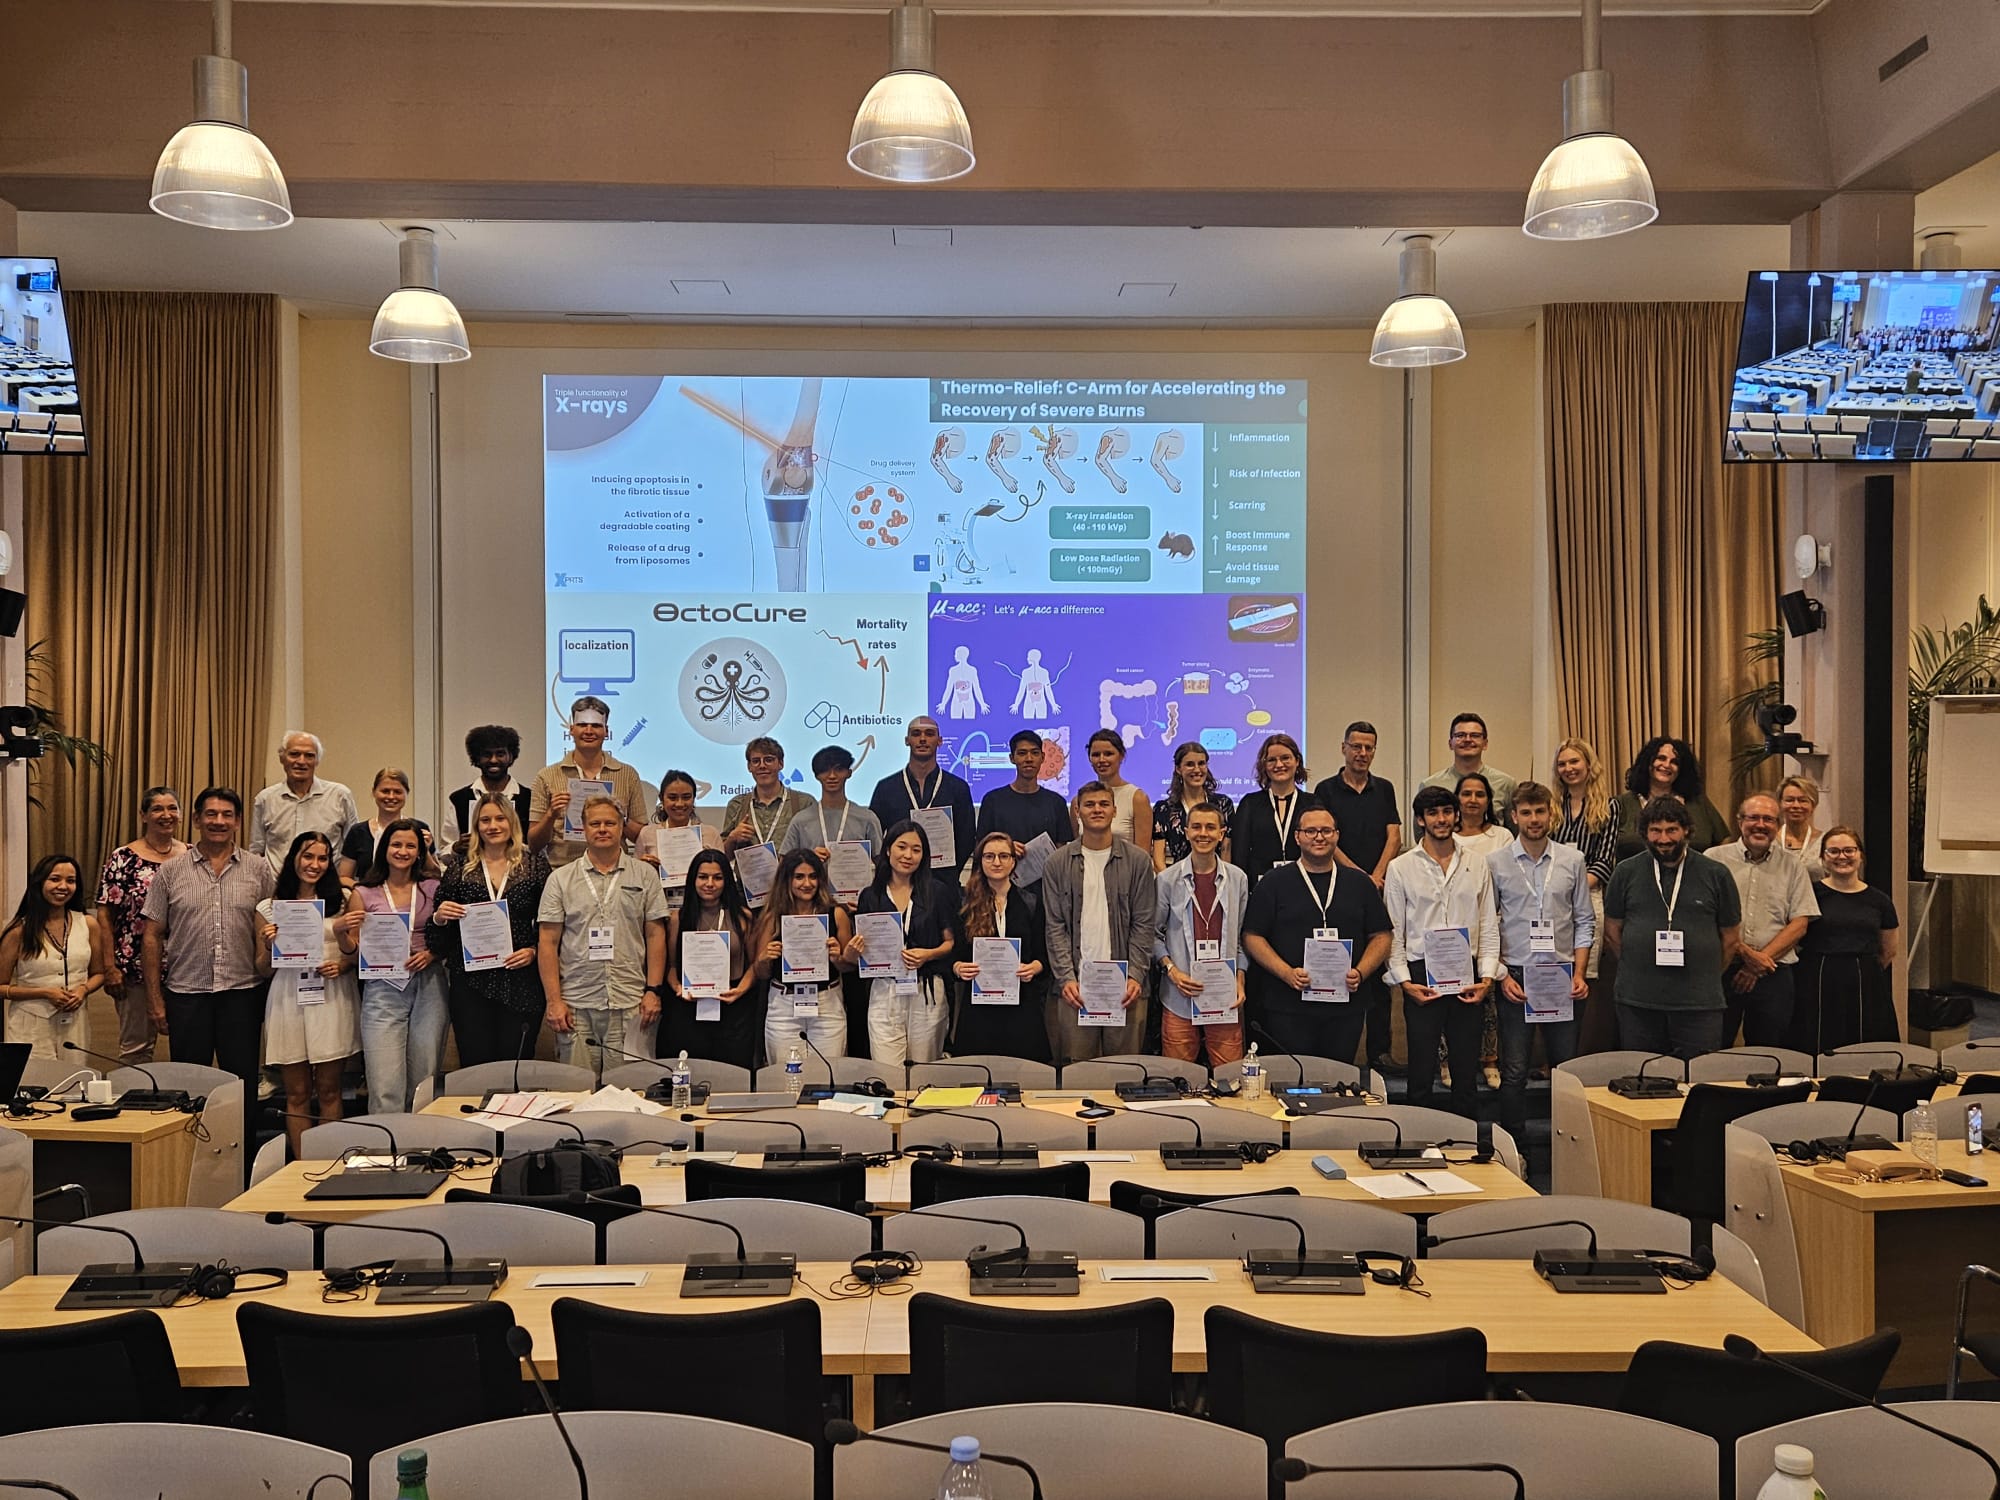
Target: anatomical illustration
pixel 1112 446
pixel 1167 447
pixel 1057 442
pixel 1003 445
pixel 950 444
pixel 962 698
pixel 1035 698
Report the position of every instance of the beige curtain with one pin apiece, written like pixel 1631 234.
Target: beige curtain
pixel 149 559
pixel 1664 557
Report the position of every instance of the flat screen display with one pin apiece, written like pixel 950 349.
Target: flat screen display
pixel 39 412
pixel 1867 366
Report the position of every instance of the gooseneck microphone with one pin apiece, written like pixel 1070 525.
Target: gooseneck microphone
pixel 422 1161
pixel 521 1344
pixel 1744 1349
pixel 1200 1154
pixel 1763 1080
pixel 840 1433
pixel 1291 1470
pixel 707 1270
pixel 1432 1241
pixel 48 1485
pixel 1300 1266
pixel 138 1263
pixel 1641 1085
pixel 320 1226
pixel 818 1054
pixel 999 1151
pixel 807 1154
pixel 951 1062
pixel 1837 1146
pixel 135 1098
pixel 1283 1051
pixel 1125 1109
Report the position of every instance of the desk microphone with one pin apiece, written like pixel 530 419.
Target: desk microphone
pixel 807 1154
pixel 1328 1262
pixel 1284 1051
pixel 997 1152
pixel 1291 1470
pixel 156 1097
pixel 1371 1151
pixel 764 1265
pixel 1021 1261
pixel 320 1226
pixel 66 1190
pixel 660 1085
pixel 1837 1147
pixel 1639 1086
pixel 421 1161
pixel 841 1433
pixel 1199 1152
pixel 138 1264
pixel 1763 1080
pixel 1745 1350
pixel 954 1062
pixel 804 1037
pixel 1148 1082
pixel 521 1344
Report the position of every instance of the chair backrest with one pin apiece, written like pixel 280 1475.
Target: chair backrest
pixel 47 1072
pixel 648 1135
pixel 847 1071
pixel 17 1193
pixel 197 1234
pixel 1595 1069
pixel 811 1231
pixel 1344 1129
pixel 120 1368
pixel 1876 1455
pixel 1759 1213
pixel 1697 1140
pixel 949 1231
pixel 1619 1225
pixel 1949 1115
pixel 1573 1169
pixel 767 1129
pixel 1974 1057
pixel 1282 1070
pixel 723 1077
pixel 964 1354
pixel 1150 1204
pixel 1734 1064
pixel 411 1133
pixel 533 1073
pixel 1173 1125
pixel 975 1127
pixel 1158 1454
pixel 842 1185
pixel 945 1182
pixel 194 1078
pixel 1737 1262
pixel 1235 1226
pixel 964 1069
pixel 1893 1096
pixel 1815 1117
pixel 1106 1072
pixel 174 1460
pixel 215 1175
pixel 525 1236
pixel 1860 1057
pixel 270 1157
pixel 1562 1452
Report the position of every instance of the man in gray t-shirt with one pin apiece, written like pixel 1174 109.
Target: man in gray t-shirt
pixel 1673 917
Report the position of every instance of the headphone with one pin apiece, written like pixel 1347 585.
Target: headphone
pixel 942 1151
pixel 869 1088
pixel 880 1267
pixel 1697 1265
pixel 1805 1153
pixel 1258 1152
pixel 1404 1277
pixel 214 1282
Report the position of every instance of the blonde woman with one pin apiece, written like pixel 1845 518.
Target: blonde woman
pixel 1798 800
pixel 1586 820
pixel 495 1013
pixel 391 791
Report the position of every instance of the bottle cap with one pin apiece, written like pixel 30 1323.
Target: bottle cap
pixel 1792 1459
pixel 965 1450
pixel 412 1464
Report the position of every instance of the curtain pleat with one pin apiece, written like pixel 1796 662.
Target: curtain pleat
pixel 149 559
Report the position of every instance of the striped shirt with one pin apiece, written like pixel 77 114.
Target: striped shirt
pixel 210 921
pixel 1600 848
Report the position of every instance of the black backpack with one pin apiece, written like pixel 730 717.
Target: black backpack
pixel 572 1167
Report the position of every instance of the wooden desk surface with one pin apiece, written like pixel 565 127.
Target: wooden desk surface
pixel 1528 1325
pixel 1905 1197
pixel 1665 1114
pixel 129 1128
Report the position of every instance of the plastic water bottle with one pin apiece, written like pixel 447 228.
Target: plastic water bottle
pixel 1793 1479
pixel 1253 1075
pixel 413 1474
pixel 963 1479
pixel 795 1072
pixel 1923 1134
pixel 682 1081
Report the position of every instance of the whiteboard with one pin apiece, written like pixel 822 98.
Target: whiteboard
pixel 1962 808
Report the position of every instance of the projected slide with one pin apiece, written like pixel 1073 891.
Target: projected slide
pixel 822 558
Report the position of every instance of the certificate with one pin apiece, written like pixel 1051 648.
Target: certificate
pixel 850 866
pixel 1448 960
pixel 1101 986
pixel 301 939
pixel 1216 1004
pixel 579 791
pixel 803 944
pixel 756 868
pixel 704 965
pixel 999 981
pixel 1034 859
pixel 1546 981
pixel 676 848
pixel 881 934
pixel 936 824
pixel 385 946
pixel 485 936
pixel 1326 966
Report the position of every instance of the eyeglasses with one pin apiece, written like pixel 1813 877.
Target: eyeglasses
pixel 1826 853
pixel 1317 833
pixel 1006 854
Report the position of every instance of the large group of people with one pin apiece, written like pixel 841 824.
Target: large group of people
pixel 1291 918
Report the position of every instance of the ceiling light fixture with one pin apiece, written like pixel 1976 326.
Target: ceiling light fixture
pixel 1593 185
pixel 417 323
pixel 1418 328
pixel 911 127
pixel 214 173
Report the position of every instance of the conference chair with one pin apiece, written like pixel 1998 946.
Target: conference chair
pixel 1986 449
pixel 357 1385
pixel 1893 1096
pixel 17 1194
pixel 1949 1115
pixel 810 1231
pixel 271 1157
pixel 1231 1228
pixel 418 1132
pixel 195 1078
pixel 201 1235
pixel 118 1368
pixel 1863 1452
pixel 722 1077
pixel 963 1071
pixel 1984 1347
pixel 524 1074
pixel 950 1231
pixel 1858 1058
pixel 523 1236
pixel 1150 1204
pixel 599 1209
pixel 1283 1070
pixel 1132 1067
pixel 1953 447
pixel 772 1129
pixel 215 1171
pixel 1734 1064
pixel 1078 1449
pixel 1938 427
pixel 1345 1129
pixel 1595 1069
pixel 1715 1393
pixel 1562 1452
pixel 1973 1057
pixel 175 1461
pixel 963 1354
pixel 847 1071
pixel 1837 444
pixel 842 1185
pixel 1007 1125
pixel 943 1182
pixel 1760 421
pixel 1979 1083
pixel 1573 1167
pixel 643 1134
pixel 1150 1129
pixel 1695 1152
pixel 1758 1211
pixel 1276 1381
pixel 1795 444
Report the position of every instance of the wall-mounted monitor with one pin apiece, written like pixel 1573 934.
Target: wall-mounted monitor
pixel 39 410
pixel 1867 366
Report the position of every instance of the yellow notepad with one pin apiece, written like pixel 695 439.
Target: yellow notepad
pixel 952 1098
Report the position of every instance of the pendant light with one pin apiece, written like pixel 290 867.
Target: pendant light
pixel 1593 185
pixel 214 173
pixel 417 323
pixel 1418 328
pixel 911 127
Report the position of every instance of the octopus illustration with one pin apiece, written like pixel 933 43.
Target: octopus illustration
pixel 1113 445
pixel 949 445
pixel 1167 447
pixel 1003 445
pixel 1057 442
pixel 734 697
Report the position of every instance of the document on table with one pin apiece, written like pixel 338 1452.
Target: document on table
pixel 301 939
pixel 756 868
pixel 1448 960
pixel 881 934
pixel 1546 981
pixel 705 971
pixel 1101 986
pixel 803 958
pixel 999 979
pixel 581 791
pixel 1216 1004
pixel 385 946
pixel 1034 859
pixel 850 868
pixel 1415 1184
pixel 485 936
pixel 1328 961
pixel 936 824
pixel 677 848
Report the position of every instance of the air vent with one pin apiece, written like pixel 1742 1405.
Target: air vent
pixel 1903 59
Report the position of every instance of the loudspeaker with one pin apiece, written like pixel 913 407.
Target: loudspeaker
pixel 1802 615
pixel 13 604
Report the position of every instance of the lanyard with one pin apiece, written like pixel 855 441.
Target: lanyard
pixel 841 832
pixel 936 786
pixel 68 917
pixel 486 873
pixel 610 885
pixel 1284 823
pixel 757 823
pixel 1547 863
pixel 1213 916
pixel 1332 878
pixel 1680 872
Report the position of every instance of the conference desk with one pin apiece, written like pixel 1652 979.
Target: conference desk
pixel 1528 1326
pixel 138 1159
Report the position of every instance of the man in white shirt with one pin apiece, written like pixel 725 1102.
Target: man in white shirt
pixel 1440 901
pixel 603 953
pixel 1101 903
pixel 301 803
pixel 1778 904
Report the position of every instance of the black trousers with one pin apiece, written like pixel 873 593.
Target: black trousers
pixel 222 1028
pixel 1461 1025
pixel 490 1033
pixel 1314 1030
pixel 1764 1011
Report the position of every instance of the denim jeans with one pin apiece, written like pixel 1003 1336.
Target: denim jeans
pixel 1517 1039
pixel 402 1037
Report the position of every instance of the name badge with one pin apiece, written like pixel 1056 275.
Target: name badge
pixel 1207 948
pixel 1670 950
pixel 906 985
pixel 805 1002
pixel 1541 936
pixel 602 944
pixel 1279 864
pixel 312 987
pixel 1327 934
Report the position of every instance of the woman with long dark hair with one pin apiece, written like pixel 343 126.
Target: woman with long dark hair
pixel 993 907
pixel 800 889
pixel 121 901
pixel 907 1015
pixel 403 1016
pixel 714 903
pixel 312 1017
pixel 1667 767
pixel 51 958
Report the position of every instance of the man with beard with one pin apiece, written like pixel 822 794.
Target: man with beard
pixel 1673 917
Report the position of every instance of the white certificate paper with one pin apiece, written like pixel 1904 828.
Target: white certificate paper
pixel 1546 982
pixel 485 936
pixel 301 939
pixel 385 946
pixel 1034 859
pixel 1326 966
pixel 677 847
pixel 803 941
pixel 580 791
pixel 881 934
pixel 850 865
pixel 999 981
pixel 1216 1004
pixel 936 824
pixel 1101 986
pixel 756 868
pixel 1448 960
pixel 704 965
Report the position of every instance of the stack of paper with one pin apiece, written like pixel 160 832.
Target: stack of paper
pixel 1415 1184
pixel 527 1106
pixel 866 1105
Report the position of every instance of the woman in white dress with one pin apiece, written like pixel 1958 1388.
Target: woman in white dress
pixel 1130 808
pixel 312 1016
pixel 51 957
